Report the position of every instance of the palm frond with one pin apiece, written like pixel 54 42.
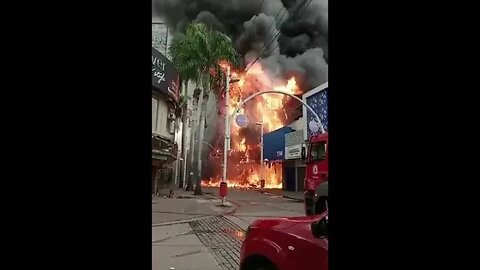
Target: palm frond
pixel 196 55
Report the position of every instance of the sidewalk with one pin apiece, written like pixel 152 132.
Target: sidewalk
pixel 185 207
pixel 177 247
pixel 175 239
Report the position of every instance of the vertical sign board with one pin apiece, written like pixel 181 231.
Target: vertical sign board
pixel 165 77
pixel 317 99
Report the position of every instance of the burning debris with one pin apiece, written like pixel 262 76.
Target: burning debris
pixel 284 44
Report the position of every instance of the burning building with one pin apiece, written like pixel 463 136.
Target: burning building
pixel 284 44
pixel 244 168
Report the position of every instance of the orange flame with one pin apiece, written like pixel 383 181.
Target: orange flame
pixel 244 165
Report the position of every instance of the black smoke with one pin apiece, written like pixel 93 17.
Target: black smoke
pixel 290 36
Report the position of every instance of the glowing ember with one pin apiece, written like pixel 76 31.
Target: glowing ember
pixel 244 157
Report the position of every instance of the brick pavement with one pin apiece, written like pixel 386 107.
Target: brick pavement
pixel 223 238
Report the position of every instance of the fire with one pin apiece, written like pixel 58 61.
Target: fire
pixel 272 177
pixel 242 146
pixel 244 165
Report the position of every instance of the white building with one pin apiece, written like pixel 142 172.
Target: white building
pixel 296 142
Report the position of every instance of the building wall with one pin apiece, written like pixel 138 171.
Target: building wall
pixel 161 125
pixel 316 98
pixel 161 37
pixel 294 143
pixel 298 124
pixel 165 128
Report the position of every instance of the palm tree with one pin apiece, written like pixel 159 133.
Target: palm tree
pixel 184 114
pixel 179 50
pixel 197 53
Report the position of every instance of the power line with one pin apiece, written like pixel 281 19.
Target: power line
pixel 270 38
pixel 304 10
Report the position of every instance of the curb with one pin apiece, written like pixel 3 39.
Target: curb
pixel 284 196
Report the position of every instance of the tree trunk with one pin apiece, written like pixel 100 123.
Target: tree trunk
pixel 198 187
pixel 185 118
pixel 193 128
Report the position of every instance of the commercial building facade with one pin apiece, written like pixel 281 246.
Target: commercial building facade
pixel 165 98
pixel 296 142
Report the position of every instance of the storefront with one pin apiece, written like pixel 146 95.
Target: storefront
pixel 294 148
pixel 165 98
pixel 274 152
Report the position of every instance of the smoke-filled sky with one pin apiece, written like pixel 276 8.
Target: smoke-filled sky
pixel 291 36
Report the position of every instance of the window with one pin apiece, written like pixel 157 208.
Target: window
pixel 318 151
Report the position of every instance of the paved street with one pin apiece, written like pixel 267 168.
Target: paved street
pixel 195 232
pixel 184 207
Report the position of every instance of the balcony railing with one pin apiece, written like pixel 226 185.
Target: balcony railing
pixel 164 146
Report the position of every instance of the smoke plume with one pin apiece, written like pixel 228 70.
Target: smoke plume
pixel 289 36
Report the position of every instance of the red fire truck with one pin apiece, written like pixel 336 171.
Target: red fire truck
pixel 316 175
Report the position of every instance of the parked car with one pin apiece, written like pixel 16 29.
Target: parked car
pixel 286 244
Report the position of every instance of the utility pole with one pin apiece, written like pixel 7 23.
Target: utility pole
pixel 227 126
pixel 261 150
pixel 226 142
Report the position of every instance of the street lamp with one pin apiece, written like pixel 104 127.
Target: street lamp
pixel 226 142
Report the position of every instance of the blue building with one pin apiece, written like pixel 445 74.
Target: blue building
pixel 274 144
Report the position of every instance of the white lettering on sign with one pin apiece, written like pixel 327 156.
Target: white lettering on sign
pixel 159 75
pixel 158 69
pixel 158 63
pixel 315 169
pixel 293 152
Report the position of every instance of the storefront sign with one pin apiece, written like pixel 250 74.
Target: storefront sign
pixel 293 152
pixel 165 77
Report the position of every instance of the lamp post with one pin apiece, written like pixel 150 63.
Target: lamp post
pixel 226 142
